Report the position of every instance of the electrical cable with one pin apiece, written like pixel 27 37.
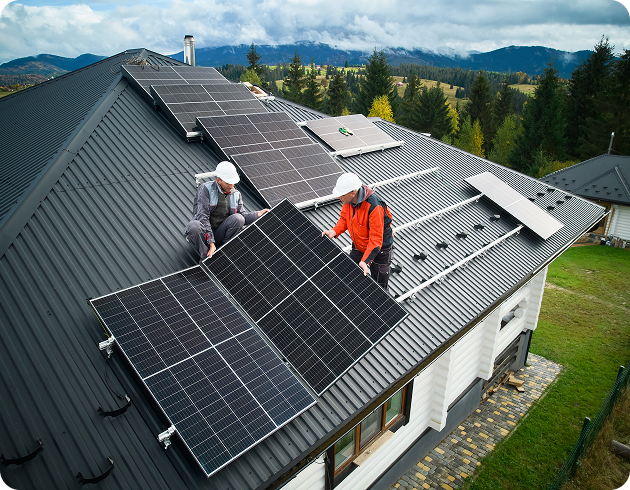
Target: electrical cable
pixel 113 392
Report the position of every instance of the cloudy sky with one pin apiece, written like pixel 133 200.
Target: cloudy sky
pixel 106 27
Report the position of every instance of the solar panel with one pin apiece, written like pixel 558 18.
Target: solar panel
pixel 363 136
pixel 274 154
pixel 214 377
pixel 143 76
pixel 525 211
pixel 184 103
pixel 306 295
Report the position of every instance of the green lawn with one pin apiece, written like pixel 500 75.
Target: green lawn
pixel 589 334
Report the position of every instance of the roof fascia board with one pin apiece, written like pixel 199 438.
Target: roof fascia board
pixel 299 463
pixel 41 187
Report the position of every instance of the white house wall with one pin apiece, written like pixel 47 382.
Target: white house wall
pixel 439 384
pixel 620 226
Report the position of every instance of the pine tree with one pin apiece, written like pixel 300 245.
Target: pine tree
pixel 409 100
pixel 295 81
pixel 381 108
pixel 504 140
pixel 465 140
pixel 452 113
pixel 337 95
pixel 502 106
pixel 543 125
pixel 312 96
pixel 479 107
pixel 253 59
pixel 377 81
pixel 587 85
pixel 432 115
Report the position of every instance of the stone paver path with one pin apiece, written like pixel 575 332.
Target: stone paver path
pixel 457 456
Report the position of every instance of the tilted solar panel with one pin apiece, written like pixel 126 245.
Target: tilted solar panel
pixel 306 295
pixel 275 155
pixel 214 377
pixel 182 104
pixel 351 135
pixel 525 211
pixel 143 76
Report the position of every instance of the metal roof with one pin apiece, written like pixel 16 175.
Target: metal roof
pixel 602 178
pixel 112 218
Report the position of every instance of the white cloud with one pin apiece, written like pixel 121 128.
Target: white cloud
pixel 76 28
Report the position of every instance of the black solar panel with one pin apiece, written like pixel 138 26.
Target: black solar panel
pixel 275 154
pixel 212 374
pixel 184 103
pixel 308 297
pixel 363 136
pixel 528 213
pixel 143 76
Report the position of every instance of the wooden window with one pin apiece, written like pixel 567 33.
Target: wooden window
pixel 380 420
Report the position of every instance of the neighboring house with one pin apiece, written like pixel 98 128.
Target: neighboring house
pixel 604 180
pixel 95 188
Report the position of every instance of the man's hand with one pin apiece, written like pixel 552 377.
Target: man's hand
pixel 329 233
pixel 262 211
pixel 211 250
pixel 364 266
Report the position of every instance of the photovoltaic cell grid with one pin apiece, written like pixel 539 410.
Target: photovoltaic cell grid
pixel 215 378
pixel 525 211
pixel 144 76
pixel 365 135
pixel 275 154
pixel 187 102
pixel 307 296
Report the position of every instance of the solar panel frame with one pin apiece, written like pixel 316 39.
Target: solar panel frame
pixel 275 154
pixel 366 136
pixel 514 203
pixel 294 279
pixel 264 394
pixel 182 104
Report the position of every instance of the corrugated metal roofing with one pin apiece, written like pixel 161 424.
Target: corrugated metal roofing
pixel 605 178
pixel 114 218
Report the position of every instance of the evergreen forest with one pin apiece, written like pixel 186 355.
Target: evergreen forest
pixel 560 122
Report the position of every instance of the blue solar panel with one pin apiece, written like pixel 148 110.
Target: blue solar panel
pixel 212 374
pixel 306 295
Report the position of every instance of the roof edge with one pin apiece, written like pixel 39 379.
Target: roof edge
pixel 39 189
pixel 299 463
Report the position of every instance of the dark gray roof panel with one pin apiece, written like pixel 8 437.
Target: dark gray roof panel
pixel 114 219
pixel 605 178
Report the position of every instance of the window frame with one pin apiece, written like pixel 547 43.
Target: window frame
pixel 383 427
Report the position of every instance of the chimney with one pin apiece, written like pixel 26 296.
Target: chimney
pixel 189 50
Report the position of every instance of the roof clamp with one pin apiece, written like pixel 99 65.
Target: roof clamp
pixel 107 346
pixel 165 437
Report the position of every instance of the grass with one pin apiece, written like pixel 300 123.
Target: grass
pixel 600 468
pixel 589 337
pixel 526 88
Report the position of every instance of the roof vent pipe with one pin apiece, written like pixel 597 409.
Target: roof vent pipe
pixel 189 50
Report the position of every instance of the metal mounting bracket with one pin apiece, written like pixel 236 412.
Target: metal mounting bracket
pixel 107 346
pixel 165 437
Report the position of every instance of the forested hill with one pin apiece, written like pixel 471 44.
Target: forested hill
pixel 528 59
pixel 35 69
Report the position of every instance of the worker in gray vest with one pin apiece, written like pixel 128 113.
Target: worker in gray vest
pixel 218 212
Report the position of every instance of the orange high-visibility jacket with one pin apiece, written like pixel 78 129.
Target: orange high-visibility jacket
pixel 355 220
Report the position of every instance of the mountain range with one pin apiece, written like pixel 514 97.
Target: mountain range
pixel 529 59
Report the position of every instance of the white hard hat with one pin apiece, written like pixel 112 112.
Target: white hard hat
pixel 227 173
pixel 346 183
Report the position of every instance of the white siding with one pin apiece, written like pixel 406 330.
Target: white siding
pixel 620 226
pixel 310 478
pixel 439 384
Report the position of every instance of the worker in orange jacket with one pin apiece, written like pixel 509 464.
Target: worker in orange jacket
pixel 369 222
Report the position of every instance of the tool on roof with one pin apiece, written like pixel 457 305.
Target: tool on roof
pixel 346 131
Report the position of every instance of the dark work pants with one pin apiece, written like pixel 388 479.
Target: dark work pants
pixel 380 266
pixel 196 234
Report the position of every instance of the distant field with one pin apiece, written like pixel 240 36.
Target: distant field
pixel 449 92
pixel 526 88
pixel 2 94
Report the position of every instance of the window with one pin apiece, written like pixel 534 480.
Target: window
pixel 380 420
